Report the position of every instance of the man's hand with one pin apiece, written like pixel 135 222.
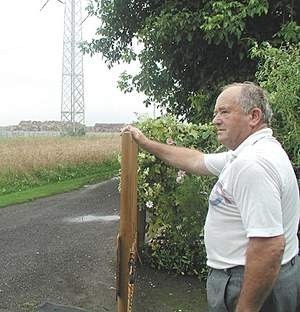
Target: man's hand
pixel 136 133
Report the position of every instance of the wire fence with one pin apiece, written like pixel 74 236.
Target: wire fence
pixel 20 133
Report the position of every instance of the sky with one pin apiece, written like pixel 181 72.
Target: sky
pixel 31 48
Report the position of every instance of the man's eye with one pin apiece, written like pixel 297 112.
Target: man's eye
pixel 224 112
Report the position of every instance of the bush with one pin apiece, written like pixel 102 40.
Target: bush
pixel 279 74
pixel 176 203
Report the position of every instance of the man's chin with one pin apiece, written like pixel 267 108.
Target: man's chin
pixel 221 140
pixel 220 137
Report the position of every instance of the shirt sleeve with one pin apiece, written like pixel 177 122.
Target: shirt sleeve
pixel 256 193
pixel 216 162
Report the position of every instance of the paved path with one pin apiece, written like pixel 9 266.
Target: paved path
pixel 48 254
pixel 61 249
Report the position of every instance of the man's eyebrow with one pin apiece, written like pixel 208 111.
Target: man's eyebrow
pixel 220 107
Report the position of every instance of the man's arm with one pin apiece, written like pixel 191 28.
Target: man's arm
pixel 189 160
pixel 263 261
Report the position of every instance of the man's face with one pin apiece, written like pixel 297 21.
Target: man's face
pixel 232 124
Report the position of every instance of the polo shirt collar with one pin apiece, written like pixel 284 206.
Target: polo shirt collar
pixel 252 139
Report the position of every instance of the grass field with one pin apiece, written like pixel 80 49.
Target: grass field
pixel 53 164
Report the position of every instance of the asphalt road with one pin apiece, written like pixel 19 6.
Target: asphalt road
pixel 61 250
pixel 56 250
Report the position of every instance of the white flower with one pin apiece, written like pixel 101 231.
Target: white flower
pixel 180 176
pixel 170 141
pixel 181 173
pixel 149 204
pixel 178 179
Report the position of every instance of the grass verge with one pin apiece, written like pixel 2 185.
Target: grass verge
pixel 105 171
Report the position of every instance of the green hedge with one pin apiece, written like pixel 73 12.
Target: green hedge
pixel 176 203
pixel 279 74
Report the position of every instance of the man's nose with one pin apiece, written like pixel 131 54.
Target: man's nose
pixel 216 120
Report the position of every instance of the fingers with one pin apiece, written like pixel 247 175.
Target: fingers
pixel 127 128
pixel 137 134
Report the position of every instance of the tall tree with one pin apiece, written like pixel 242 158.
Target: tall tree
pixel 188 48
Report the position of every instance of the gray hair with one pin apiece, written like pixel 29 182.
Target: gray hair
pixel 251 96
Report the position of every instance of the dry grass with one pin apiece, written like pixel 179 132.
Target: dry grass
pixel 27 154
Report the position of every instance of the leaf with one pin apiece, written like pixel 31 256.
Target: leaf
pixel 172 71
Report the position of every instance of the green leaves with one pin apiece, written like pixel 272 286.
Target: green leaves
pixel 279 74
pixel 226 20
pixel 176 203
pixel 189 47
pixel 289 32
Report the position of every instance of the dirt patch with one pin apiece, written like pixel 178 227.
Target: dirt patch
pixel 162 292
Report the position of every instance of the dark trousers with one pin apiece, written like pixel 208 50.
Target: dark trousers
pixel 223 289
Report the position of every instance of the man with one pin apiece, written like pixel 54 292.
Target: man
pixel 252 221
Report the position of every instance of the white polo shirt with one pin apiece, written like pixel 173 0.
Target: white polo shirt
pixel 256 195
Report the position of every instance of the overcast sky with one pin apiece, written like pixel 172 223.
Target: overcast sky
pixel 31 64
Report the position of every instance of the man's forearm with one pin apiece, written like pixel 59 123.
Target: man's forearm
pixel 179 157
pixel 263 261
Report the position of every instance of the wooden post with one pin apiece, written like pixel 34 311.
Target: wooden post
pixel 128 218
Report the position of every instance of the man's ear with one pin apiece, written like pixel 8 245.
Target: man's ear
pixel 256 116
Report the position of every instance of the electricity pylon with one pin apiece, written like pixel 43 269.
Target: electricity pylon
pixel 72 91
pixel 72 98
